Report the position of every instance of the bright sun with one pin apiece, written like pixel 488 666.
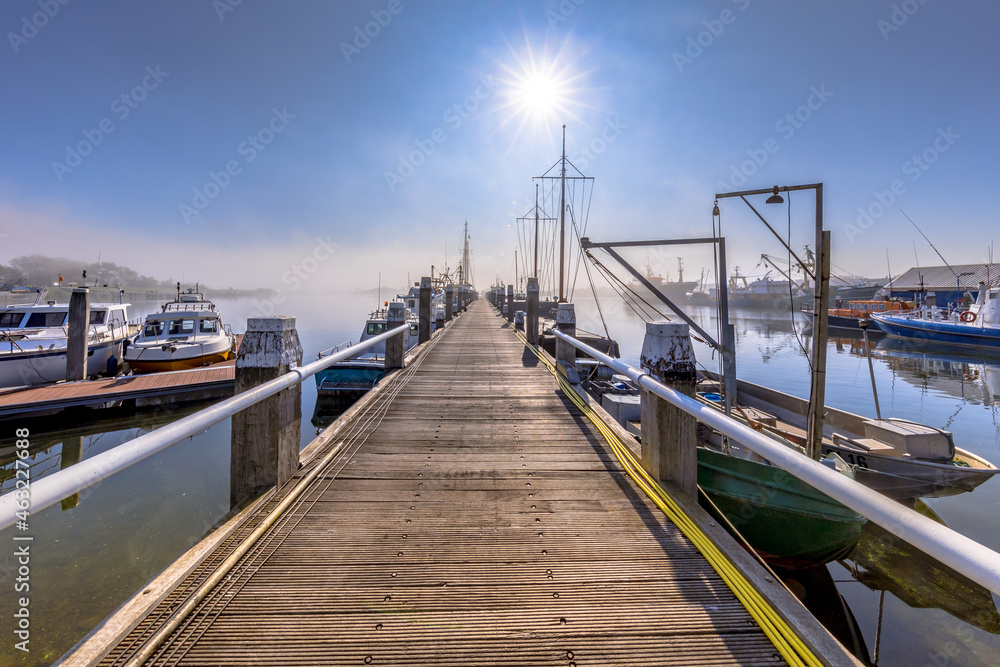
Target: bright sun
pixel 538 90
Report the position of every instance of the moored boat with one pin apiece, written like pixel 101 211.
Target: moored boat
pixel 900 459
pixel 346 381
pixel 850 316
pixel 789 523
pixel 977 327
pixel 187 333
pixel 33 341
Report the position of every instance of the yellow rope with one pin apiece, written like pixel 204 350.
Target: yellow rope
pixel 785 640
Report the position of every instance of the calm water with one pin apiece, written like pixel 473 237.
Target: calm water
pixel 88 559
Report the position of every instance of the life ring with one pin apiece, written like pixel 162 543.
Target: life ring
pixel 967 317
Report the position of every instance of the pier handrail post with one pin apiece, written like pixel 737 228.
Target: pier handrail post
pixel 510 303
pixel 395 346
pixel 449 297
pixel 531 317
pixel 424 314
pixel 566 322
pixel 669 433
pixel 265 436
pixel 79 329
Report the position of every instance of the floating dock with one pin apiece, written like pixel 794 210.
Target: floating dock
pixel 466 513
pixel 201 383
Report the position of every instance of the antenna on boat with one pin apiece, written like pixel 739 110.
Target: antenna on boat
pixel 379 302
pixel 931 245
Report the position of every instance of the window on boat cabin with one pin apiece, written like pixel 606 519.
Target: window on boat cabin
pixel 414 330
pixel 98 316
pixel 181 327
pixel 153 329
pixel 375 328
pixel 117 317
pixel 8 320
pixel 209 326
pixel 47 319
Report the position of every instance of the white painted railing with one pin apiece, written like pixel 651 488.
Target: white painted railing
pixel 955 550
pixel 53 488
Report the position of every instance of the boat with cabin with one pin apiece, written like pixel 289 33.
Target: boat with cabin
pixel 188 332
pixel 33 340
pixel 850 316
pixel 976 327
pixel 346 381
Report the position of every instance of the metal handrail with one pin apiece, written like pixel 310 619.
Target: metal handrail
pixel 962 554
pixel 335 348
pixel 52 489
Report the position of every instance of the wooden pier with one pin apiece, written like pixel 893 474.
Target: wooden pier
pixel 215 381
pixel 465 513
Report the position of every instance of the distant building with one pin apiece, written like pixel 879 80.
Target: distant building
pixel 946 284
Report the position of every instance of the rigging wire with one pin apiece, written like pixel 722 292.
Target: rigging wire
pixel 791 299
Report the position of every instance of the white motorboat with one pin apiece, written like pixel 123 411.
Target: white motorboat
pixel 33 341
pixel 187 333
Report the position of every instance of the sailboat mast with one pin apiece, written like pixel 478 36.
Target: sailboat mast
pixel 465 253
pixel 562 221
pixel 535 274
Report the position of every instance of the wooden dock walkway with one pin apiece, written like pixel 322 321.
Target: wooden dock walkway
pixel 468 515
pixel 214 381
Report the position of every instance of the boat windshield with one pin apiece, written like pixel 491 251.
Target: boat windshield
pixel 55 319
pixel 97 316
pixel 376 328
pixel 8 320
pixel 209 326
pixel 181 327
pixel 153 329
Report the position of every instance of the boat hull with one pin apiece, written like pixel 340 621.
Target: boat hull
pixel 789 523
pixel 177 364
pixel 897 477
pixel 32 367
pixel 948 333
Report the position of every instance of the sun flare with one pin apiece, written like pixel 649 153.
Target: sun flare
pixel 540 91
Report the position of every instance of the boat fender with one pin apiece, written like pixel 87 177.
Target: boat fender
pixel 968 317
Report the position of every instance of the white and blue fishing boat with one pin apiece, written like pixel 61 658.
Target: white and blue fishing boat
pixel 347 381
pixel 977 327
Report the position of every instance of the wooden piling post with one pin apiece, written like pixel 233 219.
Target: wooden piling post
pixel 531 317
pixel 78 334
pixel 449 297
pixel 424 315
pixel 510 303
pixel 669 433
pixel 265 436
pixel 395 347
pixel 566 322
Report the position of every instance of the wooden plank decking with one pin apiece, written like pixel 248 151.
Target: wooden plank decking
pixel 474 518
pixel 54 397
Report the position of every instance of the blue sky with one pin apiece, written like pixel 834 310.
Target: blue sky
pixel 665 103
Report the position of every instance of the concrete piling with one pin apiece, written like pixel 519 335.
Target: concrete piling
pixel 424 316
pixel 265 436
pixel 669 433
pixel 395 347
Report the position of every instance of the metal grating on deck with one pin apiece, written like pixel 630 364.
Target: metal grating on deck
pixel 475 518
